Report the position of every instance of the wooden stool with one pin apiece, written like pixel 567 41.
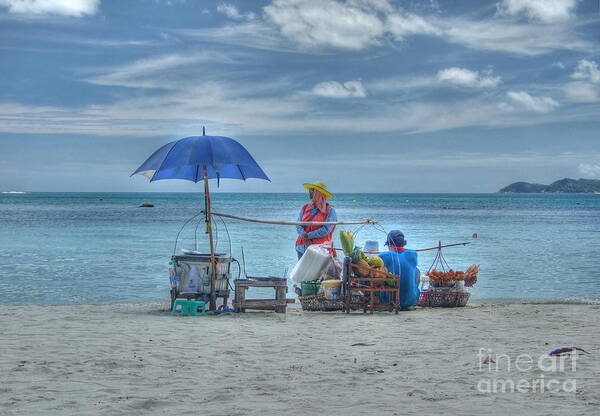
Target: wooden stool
pixel 279 304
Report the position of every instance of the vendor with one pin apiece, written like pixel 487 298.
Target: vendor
pixel 402 262
pixel 318 210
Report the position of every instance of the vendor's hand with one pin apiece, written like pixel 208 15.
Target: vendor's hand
pixel 305 239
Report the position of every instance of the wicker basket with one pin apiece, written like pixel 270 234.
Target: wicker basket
pixel 442 283
pixel 434 299
pixel 320 303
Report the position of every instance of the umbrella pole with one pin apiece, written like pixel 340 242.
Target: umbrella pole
pixel 213 260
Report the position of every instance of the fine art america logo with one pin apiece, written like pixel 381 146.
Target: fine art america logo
pixel 527 373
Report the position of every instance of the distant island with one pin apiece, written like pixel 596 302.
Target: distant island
pixel 562 186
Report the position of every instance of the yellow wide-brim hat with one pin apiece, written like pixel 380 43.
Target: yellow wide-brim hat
pixel 319 186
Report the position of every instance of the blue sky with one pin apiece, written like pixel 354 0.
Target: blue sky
pixel 366 95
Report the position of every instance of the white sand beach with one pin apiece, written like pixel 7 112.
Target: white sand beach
pixel 133 359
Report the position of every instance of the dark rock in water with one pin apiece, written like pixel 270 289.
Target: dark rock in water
pixel 146 205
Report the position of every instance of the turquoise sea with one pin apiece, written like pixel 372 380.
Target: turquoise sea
pixel 66 248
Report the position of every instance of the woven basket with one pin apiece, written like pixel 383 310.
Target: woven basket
pixel 442 283
pixel 320 303
pixel 443 299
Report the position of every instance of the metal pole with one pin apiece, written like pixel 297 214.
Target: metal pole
pixel 213 260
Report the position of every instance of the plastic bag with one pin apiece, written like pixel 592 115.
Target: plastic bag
pixel 312 264
pixel 333 269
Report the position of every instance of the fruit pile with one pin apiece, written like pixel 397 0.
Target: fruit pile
pixel 368 266
pixel 347 240
pixel 472 271
pixel 375 261
pixel 371 267
pixel 471 275
pixel 441 276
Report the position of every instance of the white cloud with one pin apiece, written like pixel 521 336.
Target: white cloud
pixel 405 24
pixel 546 11
pixel 153 72
pixel 60 7
pixel 314 26
pixel 232 12
pixel 467 78
pixel 351 24
pixel 334 89
pixel 587 70
pixel 233 107
pixel 590 170
pixel 529 102
pixel 178 111
pixel 255 34
pixel 394 84
pixel 582 92
pixel 587 88
pixel 455 76
pixel 503 35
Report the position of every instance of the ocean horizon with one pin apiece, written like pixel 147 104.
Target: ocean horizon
pixel 217 191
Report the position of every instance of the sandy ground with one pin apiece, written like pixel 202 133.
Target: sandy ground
pixel 137 359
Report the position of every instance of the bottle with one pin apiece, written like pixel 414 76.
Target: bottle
pixel 173 275
pixel 193 280
pixel 175 279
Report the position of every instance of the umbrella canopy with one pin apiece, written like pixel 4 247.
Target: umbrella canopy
pixel 187 158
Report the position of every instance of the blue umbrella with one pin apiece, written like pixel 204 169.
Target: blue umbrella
pixel 199 158
pixel 191 158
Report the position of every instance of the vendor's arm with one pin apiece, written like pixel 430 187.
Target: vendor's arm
pixel 325 229
pixel 300 228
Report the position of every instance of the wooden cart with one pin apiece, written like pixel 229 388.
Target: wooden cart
pixel 204 266
pixel 369 286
